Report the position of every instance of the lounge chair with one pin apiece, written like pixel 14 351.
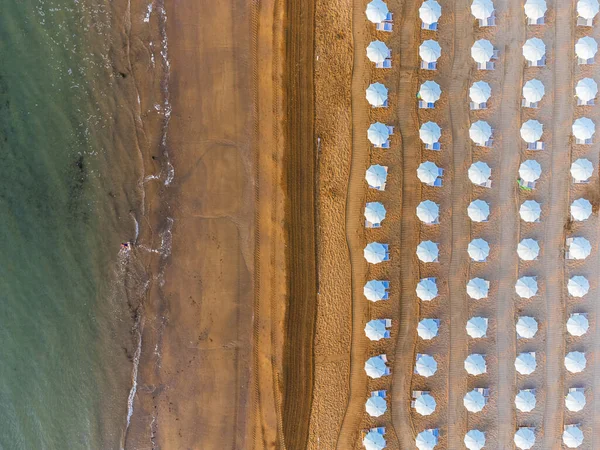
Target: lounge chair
pixel 387 334
pixel 582 103
pixel 382 393
pixel 526 104
pixel 584 62
pixel 386 284
pixel 489 22
pixel 487 184
pixel 429 26
pixel 388 323
pixel 490 65
pixel 426 105
pixel 428 66
pixel 476 106
pixel 389 17
pixel 581 22
pixel 539 21
pixel 386 145
pixel 435 146
pixel 540 63
pixel 437 183
pixel 440 172
pixel 539 145
pixel 385 26
pixel 386 64
pixel 581 181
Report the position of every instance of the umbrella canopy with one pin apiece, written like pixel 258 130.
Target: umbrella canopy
pixel 430 12
pixel 425 404
pixel 480 132
pixel 377 52
pixel 575 362
pixel 526 287
pixel 430 133
pixel 524 438
pixel 428 172
pixel 374 441
pixel 583 128
pixel 526 327
pixel 586 89
pixel 430 51
pixel 525 401
pixel 581 209
pixel 374 212
pixel 586 47
pixel 480 92
pixel 377 11
pixel 582 169
pixel 375 367
pixel 426 440
pixel 474 401
pixel 572 436
pixel 575 401
pixel 478 211
pixel 578 286
pixel 428 211
pixel 478 250
pixel 475 364
pixel 531 131
pixel 378 133
pixel 376 94
pixel 430 91
pixel 535 9
pixel 427 251
pixel 588 8
pixel 374 290
pixel 477 288
pixel 376 406
pixel 530 170
pixel 376 176
pixel 474 440
pixel 482 9
pixel 530 211
pixel 525 363
pixel 533 91
pixel 534 49
pixel 375 329
pixel 427 289
pixel 580 248
pixel 374 252
pixel 479 172
pixel 427 329
pixel 477 327
pixel 482 51
pixel 528 249
pixel 425 365
pixel 577 325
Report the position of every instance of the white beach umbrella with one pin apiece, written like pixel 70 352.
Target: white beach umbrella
pixel 376 94
pixel 428 211
pixel 534 49
pixel 428 172
pixel 479 172
pixel 575 401
pixel 374 212
pixel 376 176
pixel 575 362
pixel 525 363
pixel 427 329
pixel 430 133
pixel 374 290
pixel 427 251
pixel 378 133
pixel 527 327
pixel 375 367
pixel 373 440
pixel 480 92
pixel 580 248
pixel 578 286
pixel 572 436
pixel 583 128
pixel 581 209
pixel 526 287
pixel 531 131
pixel 478 250
pixel 475 364
pixel 477 327
pixel 430 91
pixel 482 9
pixel 535 9
pixel 426 440
pixel 524 438
pixel 533 91
pixel 588 8
pixel 377 11
pixel 375 329
pixel 474 401
pixel 425 365
pixel 427 289
pixel 430 51
pixel 430 12
pixel 425 404
pixel 374 252
pixel 474 440
pixel 480 132
pixel 586 47
pixel 482 51
pixel 377 52
pixel 376 406
pixel 528 249
pixel 525 401
pixel 530 211
pixel 530 170
pixel 477 288
pixel 478 211
pixel 582 169
pixel 586 89
pixel 577 325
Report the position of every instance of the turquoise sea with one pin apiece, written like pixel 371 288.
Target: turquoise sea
pixel 67 196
